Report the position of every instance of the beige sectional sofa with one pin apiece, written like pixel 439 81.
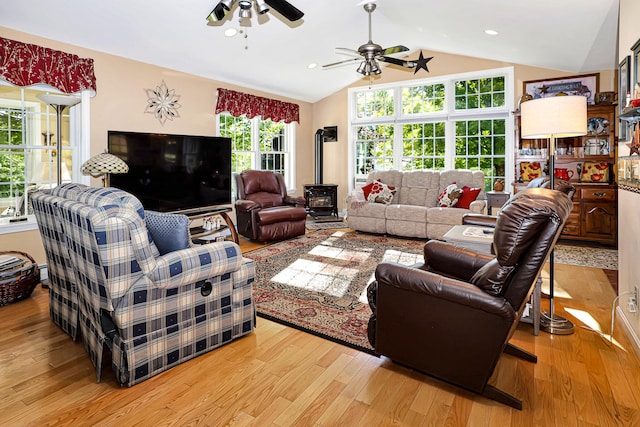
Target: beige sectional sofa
pixel 413 212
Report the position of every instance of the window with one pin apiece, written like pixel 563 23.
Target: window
pixel 459 121
pixel 28 152
pixel 259 144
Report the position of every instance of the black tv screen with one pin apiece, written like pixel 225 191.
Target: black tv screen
pixel 171 173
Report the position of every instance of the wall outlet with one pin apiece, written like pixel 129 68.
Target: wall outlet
pixel 633 301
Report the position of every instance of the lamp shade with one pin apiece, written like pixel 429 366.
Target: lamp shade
pixel 556 116
pixel 104 163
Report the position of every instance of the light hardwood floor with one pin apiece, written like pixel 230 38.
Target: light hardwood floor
pixel 280 376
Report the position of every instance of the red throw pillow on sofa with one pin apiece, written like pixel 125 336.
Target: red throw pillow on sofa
pixel 366 189
pixel 468 196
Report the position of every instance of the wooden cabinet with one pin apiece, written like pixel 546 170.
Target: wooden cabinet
pixel 594 214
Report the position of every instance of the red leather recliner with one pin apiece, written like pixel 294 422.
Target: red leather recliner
pixel 264 211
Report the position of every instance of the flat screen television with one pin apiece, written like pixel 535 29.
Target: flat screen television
pixel 174 173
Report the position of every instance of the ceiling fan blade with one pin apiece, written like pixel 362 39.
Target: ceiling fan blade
pixel 217 14
pixel 394 49
pixel 286 9
pixel 347 51
pixel 396 61
pixel 346 61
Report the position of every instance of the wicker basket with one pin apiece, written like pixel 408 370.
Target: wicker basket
pixel 18 283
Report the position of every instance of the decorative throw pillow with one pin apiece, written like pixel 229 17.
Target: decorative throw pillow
pixel 530 170
pixel 381 192
pixel 449 196
pixel 492 277
pixel 366 189
pixel 170 232
pixel 468 196
pixel 595 172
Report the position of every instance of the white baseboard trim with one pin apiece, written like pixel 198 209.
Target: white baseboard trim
pixel 628 330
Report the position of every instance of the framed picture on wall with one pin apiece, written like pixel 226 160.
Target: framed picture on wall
pixel 586 85
pixel 624 86
pixel 636 76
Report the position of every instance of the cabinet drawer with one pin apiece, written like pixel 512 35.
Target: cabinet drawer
pixel 605 194
pixel 572 226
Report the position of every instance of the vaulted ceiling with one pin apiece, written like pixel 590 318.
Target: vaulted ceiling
pixel 272 54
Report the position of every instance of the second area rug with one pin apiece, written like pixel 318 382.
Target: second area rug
pixel 317 282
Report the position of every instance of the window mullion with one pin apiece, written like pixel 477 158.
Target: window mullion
pixel 255 142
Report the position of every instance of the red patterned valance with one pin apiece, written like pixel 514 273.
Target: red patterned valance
pixel 238 103
pixel 25 64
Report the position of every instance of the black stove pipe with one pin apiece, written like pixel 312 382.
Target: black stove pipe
pixel 319 141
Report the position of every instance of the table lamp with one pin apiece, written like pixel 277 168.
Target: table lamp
pixel 102 165
pixel 554 117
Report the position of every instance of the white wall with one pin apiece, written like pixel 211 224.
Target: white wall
pixel 628 202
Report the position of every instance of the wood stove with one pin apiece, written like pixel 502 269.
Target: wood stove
pixel 321 200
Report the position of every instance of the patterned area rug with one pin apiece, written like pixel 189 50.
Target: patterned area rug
pixel 317 282
pixel 585 256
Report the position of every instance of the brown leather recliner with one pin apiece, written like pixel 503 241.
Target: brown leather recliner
pixel 264 211
pixel 452 317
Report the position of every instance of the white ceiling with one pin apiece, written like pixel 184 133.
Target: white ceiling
pixel 570 35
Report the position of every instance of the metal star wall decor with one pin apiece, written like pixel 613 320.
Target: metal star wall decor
pixel 421 63
pixel 162 103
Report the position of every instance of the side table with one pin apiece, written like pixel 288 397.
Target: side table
pixel 198 233
pixel 497 199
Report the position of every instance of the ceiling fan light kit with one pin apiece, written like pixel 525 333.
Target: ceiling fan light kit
pixel 283 7
pixel 370 53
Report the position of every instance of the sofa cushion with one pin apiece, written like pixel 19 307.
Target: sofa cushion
pixel 375 210
pixel 406 213
pixel 439 215
pixel 170 232
pixel 419 188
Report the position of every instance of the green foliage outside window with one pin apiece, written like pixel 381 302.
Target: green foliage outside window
pixel 480 145
pixel 379 103
pixel 423 146
pixel 271 143
pixel 374 148
pixel 480 93
pixel 423 99
pixel 12 162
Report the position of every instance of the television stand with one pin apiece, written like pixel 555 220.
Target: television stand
pixel 198 233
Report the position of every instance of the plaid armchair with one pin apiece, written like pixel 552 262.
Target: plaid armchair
pixel 63 296
pixel 152 311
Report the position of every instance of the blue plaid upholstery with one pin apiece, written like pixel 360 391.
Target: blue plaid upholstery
pixel 63 299
pixel 153 312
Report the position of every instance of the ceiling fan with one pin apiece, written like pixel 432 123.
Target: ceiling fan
pixel 283 7
pixel 372 53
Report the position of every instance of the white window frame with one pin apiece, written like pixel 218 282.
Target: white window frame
pixel 449 115
pixel 289 145
pixel 79 134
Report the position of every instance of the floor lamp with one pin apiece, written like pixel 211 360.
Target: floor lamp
pixel 58 103
pixel 554 117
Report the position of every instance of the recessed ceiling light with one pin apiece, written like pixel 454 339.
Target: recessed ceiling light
pixel 491 32
pixel 230 32
pixel 312 65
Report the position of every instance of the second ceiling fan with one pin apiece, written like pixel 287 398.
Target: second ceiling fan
pixel 370 53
